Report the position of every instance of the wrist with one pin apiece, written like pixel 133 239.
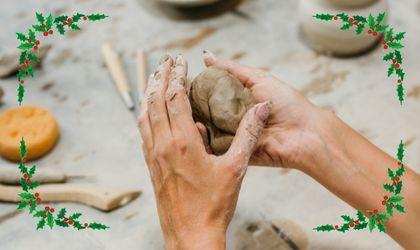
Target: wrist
pixel 202 238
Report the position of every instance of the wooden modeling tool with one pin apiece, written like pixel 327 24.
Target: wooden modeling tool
pixel 115 67
pixel 11 176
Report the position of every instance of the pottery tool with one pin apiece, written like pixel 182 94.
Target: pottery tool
pixel 141 74
pixel 11 176
pixel 189 3
pixel 104 198
pixel 115 67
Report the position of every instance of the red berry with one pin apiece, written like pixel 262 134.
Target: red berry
pixel 383 41
pixel 69 20
pixel 22 81
pixel 38 200
pixel 399 163
pixel 50 32
pixel 397 65
pixel 386 197
pixel 383 203
pixel 351 224
pixel 70 222
pixel 64 23
pixel 370 213
pixel 23 66
pixel 47 208
pixel 36 194
pixel 35 47
pixel 385 46
pixel 23 160
pixel 394 60
pixel 37 42
pixel 86 225
pixel 375 211
pixel 52 210
pixel 45 33
pixel 397 179
pixel 25 176
pixel 356 23
pixel 85 18
pixel 66 219
pixel 399 81
pixel 356 222
pixel 375 33
pixel 369 31
pixel 351 19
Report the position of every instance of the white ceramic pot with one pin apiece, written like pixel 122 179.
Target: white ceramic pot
pixel 189 3
pixel 326 37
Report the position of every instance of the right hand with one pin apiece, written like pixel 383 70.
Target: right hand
pixel 295 124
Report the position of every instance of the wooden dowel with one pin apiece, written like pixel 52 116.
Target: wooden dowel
pixel 115 67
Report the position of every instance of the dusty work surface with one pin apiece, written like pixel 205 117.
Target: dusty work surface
pixel 99 137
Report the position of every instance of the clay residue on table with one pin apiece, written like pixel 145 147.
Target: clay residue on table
pixel 61 56
pixel 47 86
pixel 325 83
pixel 414 92
pixel 189 42
pixel 409 141
pixel 238 55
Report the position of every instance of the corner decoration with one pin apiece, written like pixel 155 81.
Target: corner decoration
pixel 29 48
pixel 392 199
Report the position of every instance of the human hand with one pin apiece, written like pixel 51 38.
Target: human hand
pixel 294 127
pixel 196 192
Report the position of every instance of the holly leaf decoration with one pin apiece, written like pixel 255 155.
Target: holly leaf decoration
pixel 360 226
pixel 396 198
pixel 371 22
pixel 395 45
pixel 96 17
pixel 360 28
pixel 372 223
pixel 380 17
pixel 23 184
pixel 346 26
pixel 399 36
pixel 400 151
pixel 25 46
pixel 389 188
pixel 60 19
pixel 360 216
pixel 391 70
pixel 389 209
pixel 399 208
pixel 398 56
pixel 388 56
pixel 61 223
pixel 41 224
pixel 381 227
pixel 360 19
pixel 40 17
pixel 98 226
pixel 21 37
pixel 60 29
pixel 49 22
pixel 22 205
pixel 61 213
pixel 400 93
pixel 347 218
pixel 20 94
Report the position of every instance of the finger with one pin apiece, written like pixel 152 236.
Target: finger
pixel 204 135
pixel 247 135
pixel 143 124
pixel 177 102
pixel 246 75
pixel 156 106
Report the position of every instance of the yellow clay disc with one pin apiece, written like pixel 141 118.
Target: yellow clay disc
pixel 36 125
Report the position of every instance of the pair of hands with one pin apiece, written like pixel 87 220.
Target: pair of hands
pixel 196 191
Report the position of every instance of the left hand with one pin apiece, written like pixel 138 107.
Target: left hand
pixel 196 192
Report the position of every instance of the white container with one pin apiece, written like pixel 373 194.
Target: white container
pixel 326 36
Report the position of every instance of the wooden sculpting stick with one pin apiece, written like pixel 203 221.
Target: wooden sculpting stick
pixel 102 198
pixel 12 175
pixel 141 73
pixel 115 67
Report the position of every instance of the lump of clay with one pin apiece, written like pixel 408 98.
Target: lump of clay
pixel 219 101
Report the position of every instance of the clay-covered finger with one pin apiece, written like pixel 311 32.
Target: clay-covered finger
pixel 177 102
pixel 156 105
pixel 248 133
pixel 246 75
pixel 204 136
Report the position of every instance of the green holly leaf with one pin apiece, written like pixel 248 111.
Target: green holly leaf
pixel 73 26
pixel 33 57
pixel 60 29
pixel 21 37
pixel 77 17
pixel 398 56
pixel 23 184
pixel 78 225
pixel 96 17
pixel 27 196
pixel 360 216
pixel 398 187
pixel 372 222
pixel 400 171
pixel 360 226
pixel 61 223
pixel 400 151
pixel 22 57
pixel 50 220
pixel 391 70
pixel 32 207
pixel 395 45
pixel 346 26
pixel 347 218
pixel 41 224
pixel 395 198
pixel 389 34
pixel 38 214
pixel 399 208
pixel 388 56
pixel 360 19
pixel 32 171
pixel 25 46
pixel 389 188
pixel 389 209
pixel 31 34
pixel 21 93
pixel 22 205
pixel 61 213
pixel 381 227
pixel 98 226
pixel 343 17
pixel 323 228
pixel 38 28
pixel 371 22
pixel 383 217
pixel 39 17
pixel 400 73
pixel 23 168
pixel 75 216
pixel 30 70
pixel 49 22
pixel 400 93
pixel 380 17
pixel 399 36
pixel 34 185
pixel 60 19
pixel 344 227
pixel 360 28
pixel 382 28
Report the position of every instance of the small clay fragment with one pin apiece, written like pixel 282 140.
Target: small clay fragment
pixel 9 62
pixel 219 101
pixel 270 235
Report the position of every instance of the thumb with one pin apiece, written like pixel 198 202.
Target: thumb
pixel 249 131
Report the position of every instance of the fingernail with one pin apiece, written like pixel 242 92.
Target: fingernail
pixel 163 59
pixel 263 111
pixel 208 54
pixel 178 59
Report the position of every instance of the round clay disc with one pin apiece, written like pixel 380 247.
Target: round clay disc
pixel 36 125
